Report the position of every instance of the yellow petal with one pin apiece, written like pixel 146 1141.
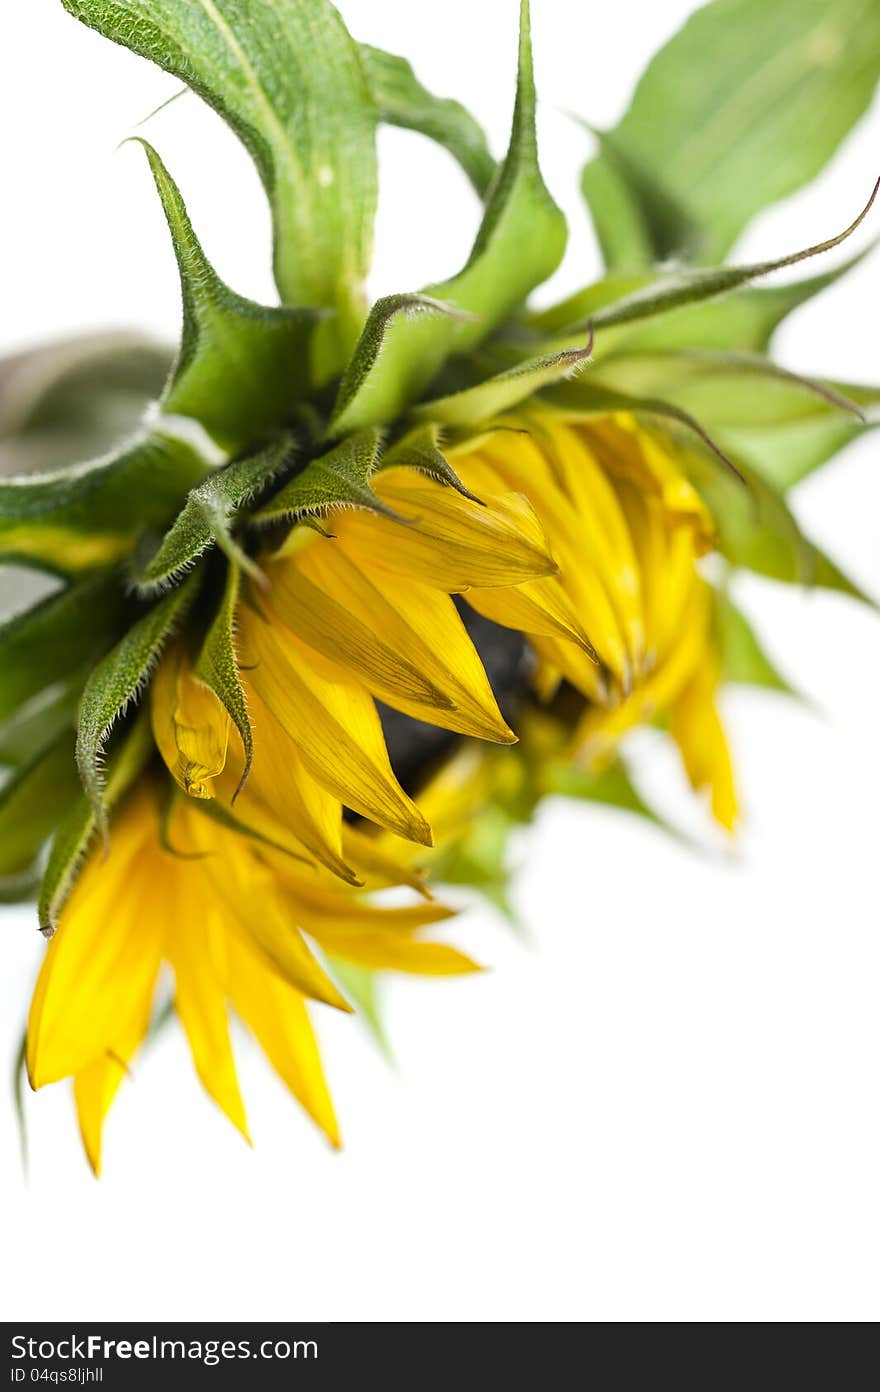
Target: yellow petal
pixel 631 451
pixel 277 1015
pixel 281 800
pixel 377 864
pixel 190 726
pixel 699 734
pixel 95 988
pixel 195 948
pixel 391 952
pixel 423 626
pixel 94 1090
pixel 445 539
pixel 539 606
pixel 334 725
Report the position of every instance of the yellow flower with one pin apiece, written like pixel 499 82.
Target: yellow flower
pixel 584 536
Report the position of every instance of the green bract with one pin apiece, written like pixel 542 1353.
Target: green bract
pixel 272 416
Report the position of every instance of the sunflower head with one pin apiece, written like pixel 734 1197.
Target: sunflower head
pixel 357 552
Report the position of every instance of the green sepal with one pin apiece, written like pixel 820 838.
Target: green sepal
pixel 31 802
pixel 242 366
pixel 743 660
pixel 420 449
pixel 118 681
pixel 691 287
pixel 59 636
pixel 520 243
pixel 75 832
pixel 288 79
pixel 209 514
pixel 403 101
pixel 363 383
pixel 340 478
pixel 91 514
pixel 726 136
pixel 485 402
pixel 217 665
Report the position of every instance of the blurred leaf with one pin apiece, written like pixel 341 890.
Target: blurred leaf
pixel 32 729
pixel 611 785
pixel 242 366
pixel 91 514
pixel 118 681
pixel 403 101
pixel 76 398
pixel 359 985
pixel 743 660
pixel 340 477
pixel 288 79
pixel 125 763
pixel 217 665
pixel 477 857
pixel 209 513
pixel 743 106
pixel 32 801
pixel 519 244
pixel 638 221
pixel 59 636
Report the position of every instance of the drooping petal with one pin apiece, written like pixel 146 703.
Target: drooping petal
pixel 96 984
pixel 697 730
pixel 277 1015
pixel 333 723
pixel 445 539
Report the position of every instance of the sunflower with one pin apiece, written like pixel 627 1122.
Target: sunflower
pixel 354 555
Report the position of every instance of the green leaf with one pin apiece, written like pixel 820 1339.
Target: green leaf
pixel 360 988
pixel 743 660
pixel 611 786
pixel 74 835
pixel 32 802
pixel 746 104
pixel 790 451
pixel 217 665
pixel 209 513
pixel 338 478
pixel 91 514
pixel 242 366
pixel 403 101
pixel 490 399
pixel 288 79
pixel 59 636
pixel 118 681
pixel 520 243
pixel 638 220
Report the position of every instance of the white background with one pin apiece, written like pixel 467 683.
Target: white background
pixel 664 1104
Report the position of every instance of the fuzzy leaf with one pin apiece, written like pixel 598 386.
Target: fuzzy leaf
pixel 209 513
pixel 519 244
pixel 287 77
pixel 59 636
pixel 338 478
pixel 91 514
pixel 242 366
pixel 403 101
pixel 31 803
pixel 217 665
pixel 117 682
pixel 74 835
pixel 490 399
pixel 743 660
pixel 727 136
